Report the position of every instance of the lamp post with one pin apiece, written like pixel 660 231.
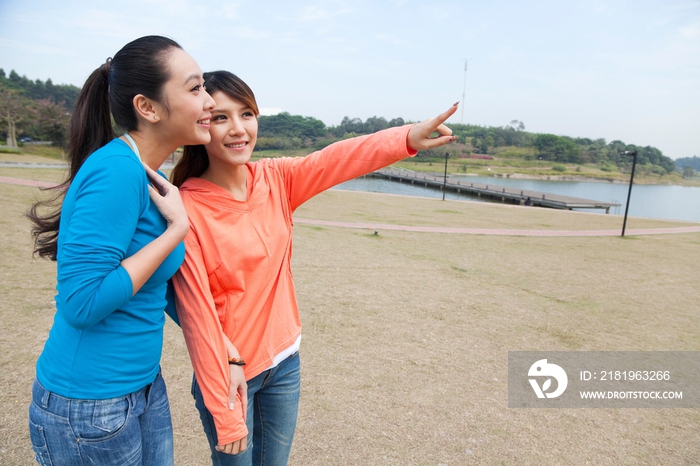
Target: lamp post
pixel 633 154
pixel 444 181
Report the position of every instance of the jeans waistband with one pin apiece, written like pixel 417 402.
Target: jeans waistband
pixel 60 405
pixel 50 401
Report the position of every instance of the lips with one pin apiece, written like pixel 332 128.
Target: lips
pixel 236 145
pixel 204 121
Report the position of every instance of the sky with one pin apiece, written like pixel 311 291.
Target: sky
pixel 618 70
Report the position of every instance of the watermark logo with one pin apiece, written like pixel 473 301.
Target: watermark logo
pixel 603 379
pixel 542 369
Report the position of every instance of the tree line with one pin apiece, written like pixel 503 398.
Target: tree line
pixel 285 131
pixel 688 165
pixel 34 109
pixel 554 148
pixel 41 110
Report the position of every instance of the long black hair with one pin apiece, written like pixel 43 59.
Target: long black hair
pixel 140 67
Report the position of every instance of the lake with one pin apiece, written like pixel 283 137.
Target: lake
pixel 652 201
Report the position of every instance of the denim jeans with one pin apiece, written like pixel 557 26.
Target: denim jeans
pixel 131 430
pixel 273 403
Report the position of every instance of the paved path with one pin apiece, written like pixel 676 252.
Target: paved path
pixel 500 232
pixel 464 231
pixel 23 182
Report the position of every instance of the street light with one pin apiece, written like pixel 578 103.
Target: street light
pixel 444 182
pixel 633 154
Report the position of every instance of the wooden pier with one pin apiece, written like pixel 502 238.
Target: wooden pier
pixel 492 191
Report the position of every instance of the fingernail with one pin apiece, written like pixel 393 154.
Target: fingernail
pixel 230 406
pixel 456 103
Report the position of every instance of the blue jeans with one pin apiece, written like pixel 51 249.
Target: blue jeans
pixel 131 430
pixel 273 403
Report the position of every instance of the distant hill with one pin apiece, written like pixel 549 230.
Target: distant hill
pixel 692 162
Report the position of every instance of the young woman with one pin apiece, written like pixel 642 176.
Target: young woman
pixel 98 397
pixel 235 294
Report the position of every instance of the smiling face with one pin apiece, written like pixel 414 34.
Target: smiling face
pixel 234 131
pixel 186 109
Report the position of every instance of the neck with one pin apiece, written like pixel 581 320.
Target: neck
pixel 151 148
pixel 233 179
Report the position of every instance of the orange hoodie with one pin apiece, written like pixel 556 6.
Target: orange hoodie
pixel 237 275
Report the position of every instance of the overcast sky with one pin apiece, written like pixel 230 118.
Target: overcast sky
pixel 627 70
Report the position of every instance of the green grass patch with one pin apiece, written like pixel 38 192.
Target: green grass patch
pixel 9 150
pixel 447 211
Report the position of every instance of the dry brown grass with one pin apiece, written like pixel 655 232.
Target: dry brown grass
pixel 406 335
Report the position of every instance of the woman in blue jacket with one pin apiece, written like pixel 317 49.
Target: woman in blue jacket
pixel 116 236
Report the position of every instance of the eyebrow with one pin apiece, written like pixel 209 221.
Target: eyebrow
pixel 195 77
pixel 227 110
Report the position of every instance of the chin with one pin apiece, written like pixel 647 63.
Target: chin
pixel 203 139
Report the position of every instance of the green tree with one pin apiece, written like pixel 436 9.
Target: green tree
pixel 63 94
pixel 557 148
pixel 374 124
pixel 692 162
pixel 14 109
pixel 291 126
pixel 52 122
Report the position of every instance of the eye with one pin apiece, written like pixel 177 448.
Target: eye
pixel 248 114
pixel 198 87
pixel 219 117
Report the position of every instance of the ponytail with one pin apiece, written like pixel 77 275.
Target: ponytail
pixel 90 123
pixel 90 129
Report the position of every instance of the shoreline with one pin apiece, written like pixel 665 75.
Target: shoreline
pixel 592 179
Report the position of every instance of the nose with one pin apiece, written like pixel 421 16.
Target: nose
pixel 236 126
pixel 209 103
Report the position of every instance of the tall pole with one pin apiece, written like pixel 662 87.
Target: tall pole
pixel 464 89
pixel 632 153
pixel 444 182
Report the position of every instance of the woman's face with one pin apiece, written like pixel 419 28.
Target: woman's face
pixel 186 119
pixel 234 131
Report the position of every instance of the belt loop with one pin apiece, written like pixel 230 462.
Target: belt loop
pixel 45 398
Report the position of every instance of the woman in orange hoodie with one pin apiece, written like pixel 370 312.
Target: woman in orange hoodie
pixel 234 292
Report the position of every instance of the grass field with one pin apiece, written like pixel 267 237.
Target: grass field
pixel 406 335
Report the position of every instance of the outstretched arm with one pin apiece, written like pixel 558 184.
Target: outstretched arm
pixel 304 177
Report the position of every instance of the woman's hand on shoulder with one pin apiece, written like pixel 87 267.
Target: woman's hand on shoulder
pixel 419 134
pixel 167 199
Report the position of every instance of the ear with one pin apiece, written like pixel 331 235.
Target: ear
pixel 146 109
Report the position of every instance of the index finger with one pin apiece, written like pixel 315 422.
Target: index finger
pixel 160 183
pixel 153 175
pixel 441 118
